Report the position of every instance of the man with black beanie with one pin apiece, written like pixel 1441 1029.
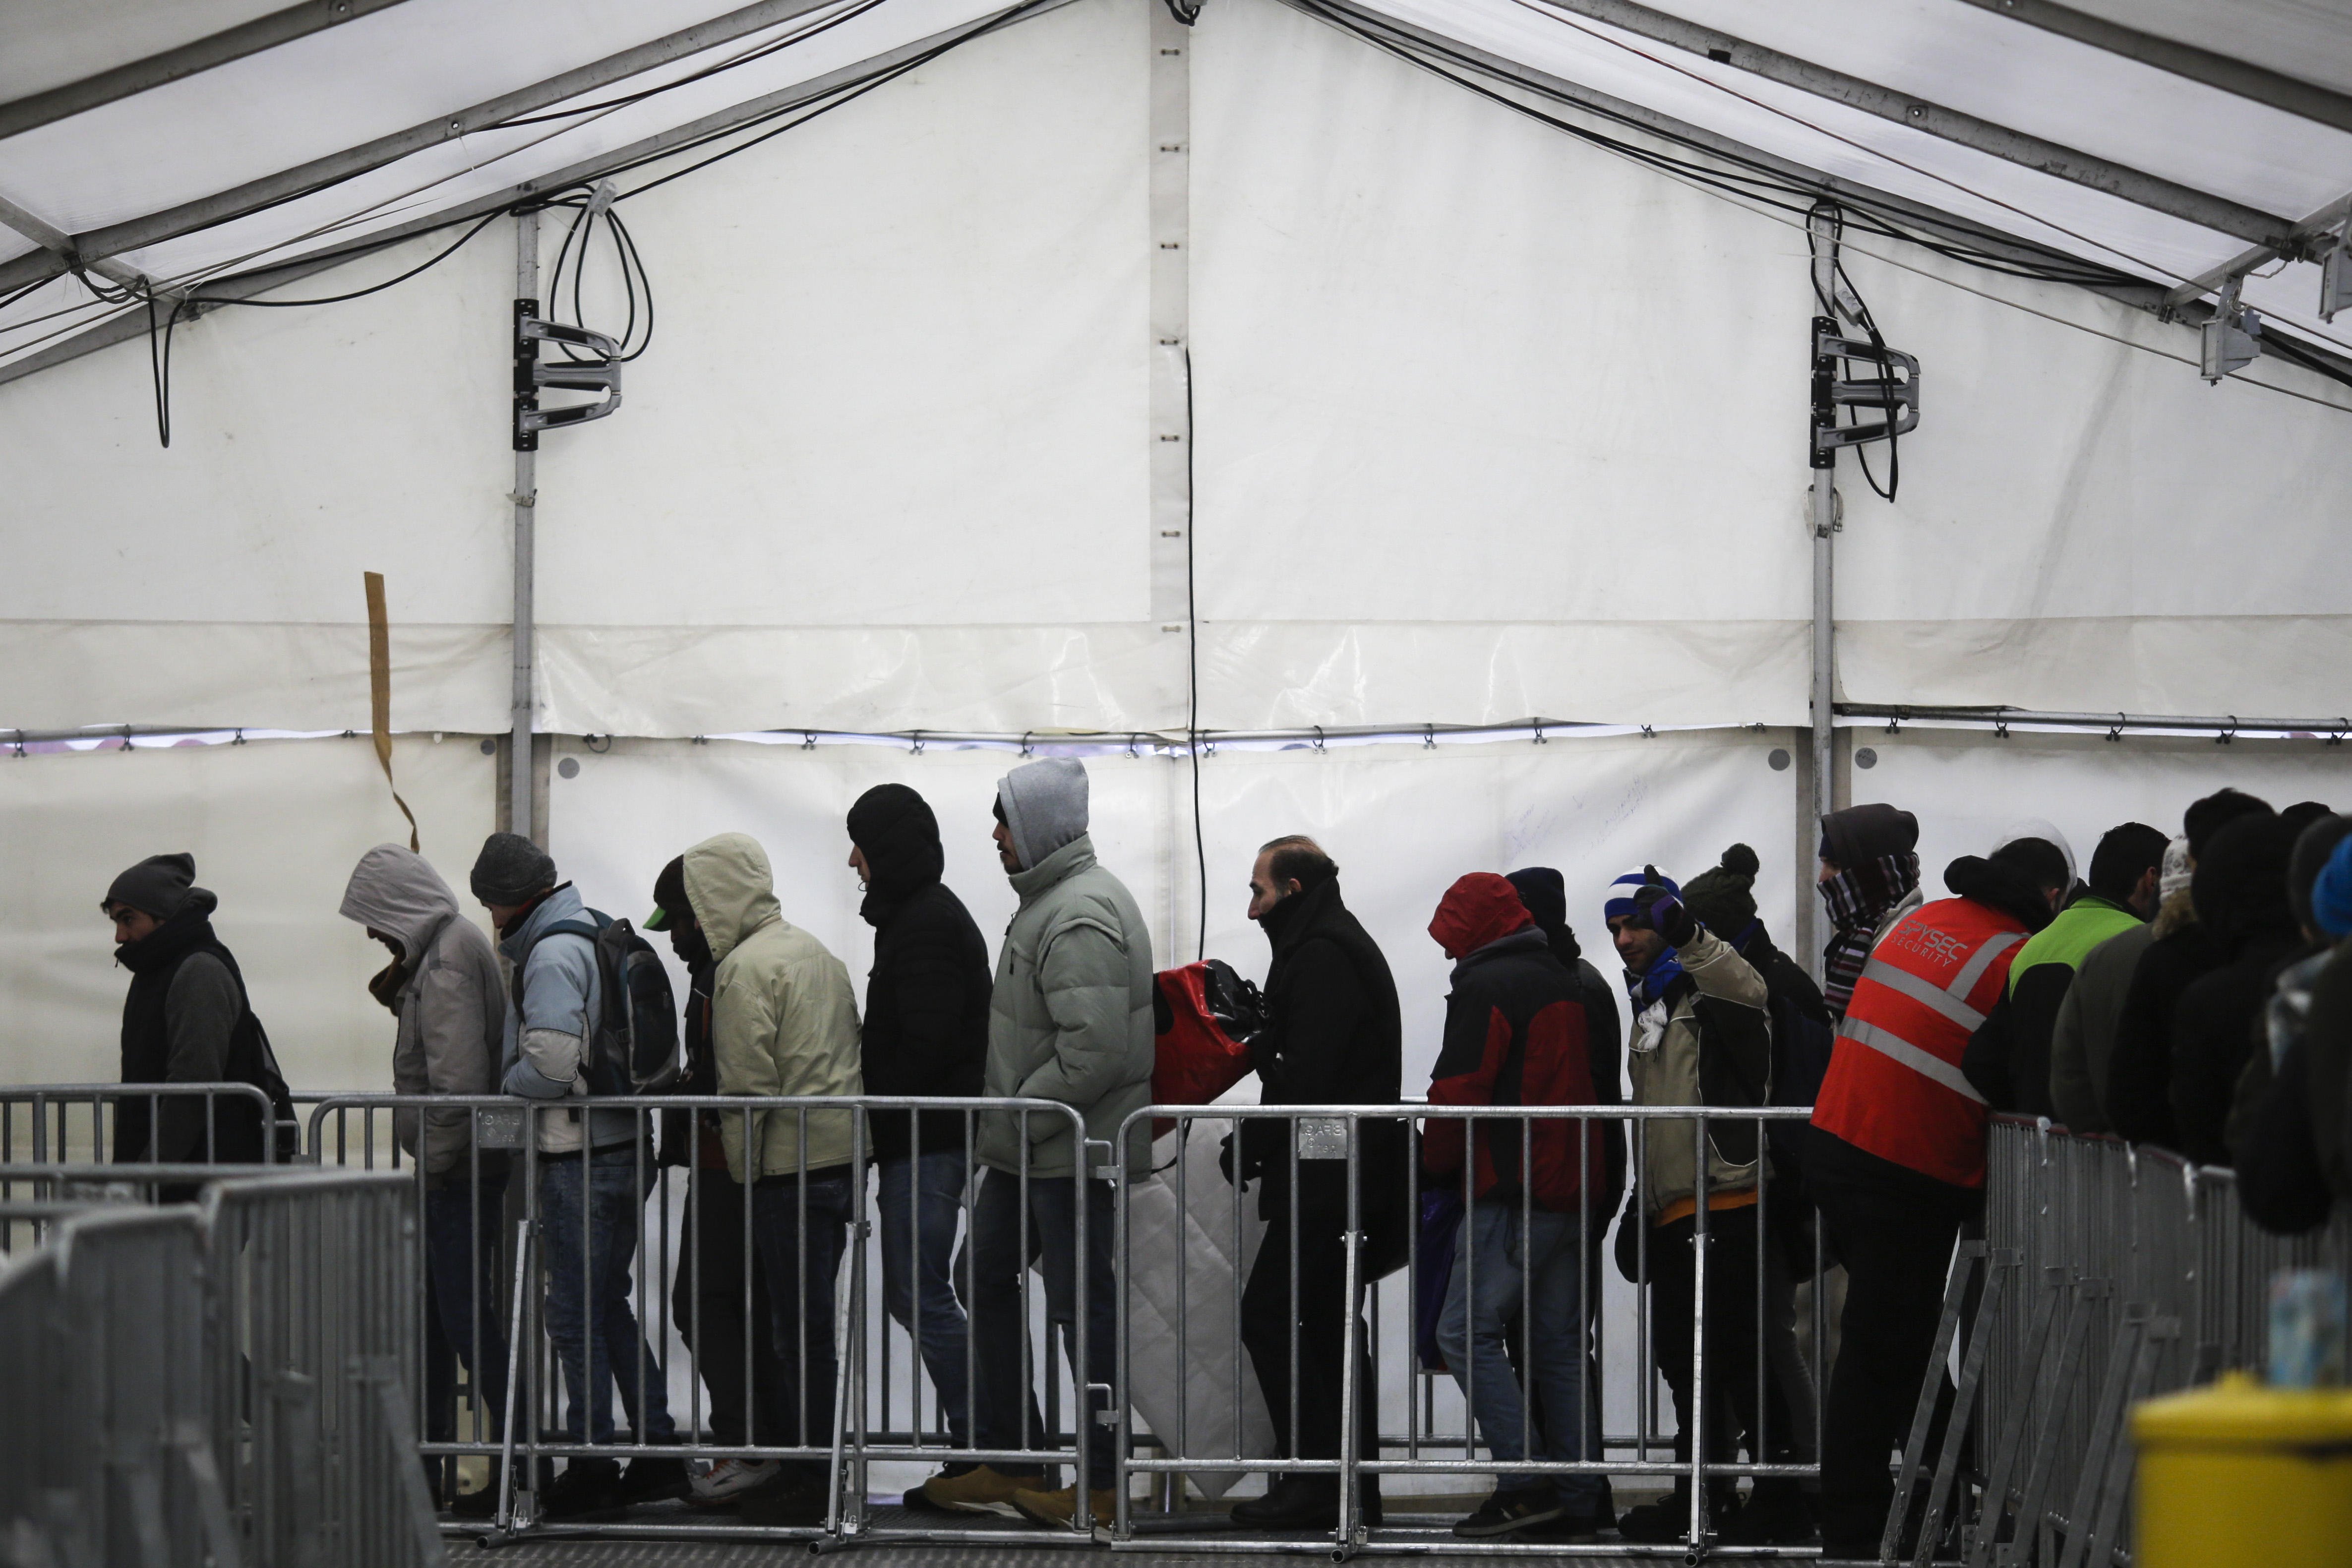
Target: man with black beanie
pixel 924 1033
pixel 185 1019
pixel 2183 949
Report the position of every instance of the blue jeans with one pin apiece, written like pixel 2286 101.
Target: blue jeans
pixel 461 1254
pixel 1549 1260
pixel 1000 1332
pixel 589 1244
pixel 920 1197
pixel 789 1214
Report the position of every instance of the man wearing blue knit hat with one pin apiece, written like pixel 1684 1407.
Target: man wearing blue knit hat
pixel 1700 1036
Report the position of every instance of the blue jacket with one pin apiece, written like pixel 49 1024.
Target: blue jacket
pixel 546 1036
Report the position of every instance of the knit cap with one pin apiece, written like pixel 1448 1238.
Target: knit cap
pixel 1869 832
pixel 158 885
pixel 1723 897
pixel 1619 901
pixel 511 869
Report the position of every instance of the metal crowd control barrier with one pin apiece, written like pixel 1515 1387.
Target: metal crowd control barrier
pixel 678 1216
pixel 1778 1430
pixel 2127 1272
pixel 77 1122
pixel 212 1386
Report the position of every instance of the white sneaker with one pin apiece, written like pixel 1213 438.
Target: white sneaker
pixel 730 1478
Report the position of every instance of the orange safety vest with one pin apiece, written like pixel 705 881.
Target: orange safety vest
pixel 1894 1085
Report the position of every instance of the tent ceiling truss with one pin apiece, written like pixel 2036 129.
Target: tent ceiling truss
pixel 131 324
pixel 202 55
pixel 2153 192
pixel 2272 237
pixel 2303 100
pixel 254 194
pixel 2182 304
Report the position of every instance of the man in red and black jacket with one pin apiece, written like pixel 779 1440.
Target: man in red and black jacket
pixel 1516 1034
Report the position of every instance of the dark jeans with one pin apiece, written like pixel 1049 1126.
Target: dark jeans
pixel 590 1241
pixel 1000 1332
pixel 920 1199
pixel 706 1303
pixel 1731 1262
pixel 1897 1253
pixel 1321 1315
pixel 801 1228
pixel 461 1254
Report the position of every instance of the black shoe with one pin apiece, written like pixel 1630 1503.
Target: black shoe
pixel 1777 1513
pixel 1309 1502
pixel 483 1504
pixel 1668 1519
pixel 1575 1526
pixel 916 1499
pixel 649 1480
pixel 799 1503
pixel 588 1488
pixel 1506 1513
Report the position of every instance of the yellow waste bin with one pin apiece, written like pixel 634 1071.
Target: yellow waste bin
pixel 2240 1473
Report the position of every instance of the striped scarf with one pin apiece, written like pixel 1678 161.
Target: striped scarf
pixel 1858 898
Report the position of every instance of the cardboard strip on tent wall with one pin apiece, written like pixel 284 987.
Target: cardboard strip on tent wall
pixel 380 692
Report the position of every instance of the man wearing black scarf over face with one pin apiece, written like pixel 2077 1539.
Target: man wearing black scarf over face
pixel 1869 879
pixel 184 1020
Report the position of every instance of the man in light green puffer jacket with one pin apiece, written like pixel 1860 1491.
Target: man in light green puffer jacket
pixel 1070 1021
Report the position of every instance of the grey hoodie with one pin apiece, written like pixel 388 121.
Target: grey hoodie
pixel 1045 804
pixel 452 1005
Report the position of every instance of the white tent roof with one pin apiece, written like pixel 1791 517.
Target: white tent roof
pixel 1492 421
pixel 403 112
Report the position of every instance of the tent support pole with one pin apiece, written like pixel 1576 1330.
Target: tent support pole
pixel 1823 518
pixel 526 506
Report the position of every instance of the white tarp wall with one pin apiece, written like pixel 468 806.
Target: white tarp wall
pixel 1490 423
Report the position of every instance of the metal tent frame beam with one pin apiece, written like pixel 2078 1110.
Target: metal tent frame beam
pixel 130 324
pixel 2303 244
pixel 39 108
pixel 2289 95
pixel 239 201
pixel 2135 185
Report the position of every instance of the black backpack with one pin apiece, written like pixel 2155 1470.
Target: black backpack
pixel 635 1049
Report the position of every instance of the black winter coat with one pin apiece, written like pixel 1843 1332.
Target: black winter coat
pixel 926 1028
pixel 2139 1066
pixel 234 1051
pixel 2215 1026
pixel 1333 1035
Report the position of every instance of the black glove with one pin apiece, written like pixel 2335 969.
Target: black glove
pixel 1628 1237
pixel 1657 909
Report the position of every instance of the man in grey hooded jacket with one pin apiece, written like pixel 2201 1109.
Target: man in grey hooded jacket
pixel 444 986
pixel 1069 1021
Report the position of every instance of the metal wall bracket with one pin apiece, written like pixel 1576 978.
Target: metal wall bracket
pixel 2336 274
pixel 602 374
pixel 1894 394
pixel 2231 339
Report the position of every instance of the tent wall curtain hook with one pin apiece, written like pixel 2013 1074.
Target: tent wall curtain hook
pixel 2334 736
pixel 916 748
pixel 1319 740
pixel 2116 734
pixel 1027 749
pixel 808 739
pixel 600 744
pixel 2228 732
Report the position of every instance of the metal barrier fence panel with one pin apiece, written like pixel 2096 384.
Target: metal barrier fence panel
pixel 78 1123
pixel 1414 1424
pixel 870 1401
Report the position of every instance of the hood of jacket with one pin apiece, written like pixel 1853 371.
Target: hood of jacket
pixel 2240 886
pixel 900 835
pixel 1545 893
pixel 1997 887
pixel 733 890
pixel 396 891
pixel 1044 806
pixel 1479 909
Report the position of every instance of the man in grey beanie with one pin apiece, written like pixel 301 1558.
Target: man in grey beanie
pixel 1069 1021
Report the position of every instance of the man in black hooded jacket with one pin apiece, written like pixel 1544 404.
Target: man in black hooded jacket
pixel 185 1019
pixel 1333 1036
pixel 924 1033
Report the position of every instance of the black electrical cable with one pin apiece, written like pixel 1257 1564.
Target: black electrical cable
pixel 773 47
pixel 435 260
pixel 2286 349
pixel 1861 316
